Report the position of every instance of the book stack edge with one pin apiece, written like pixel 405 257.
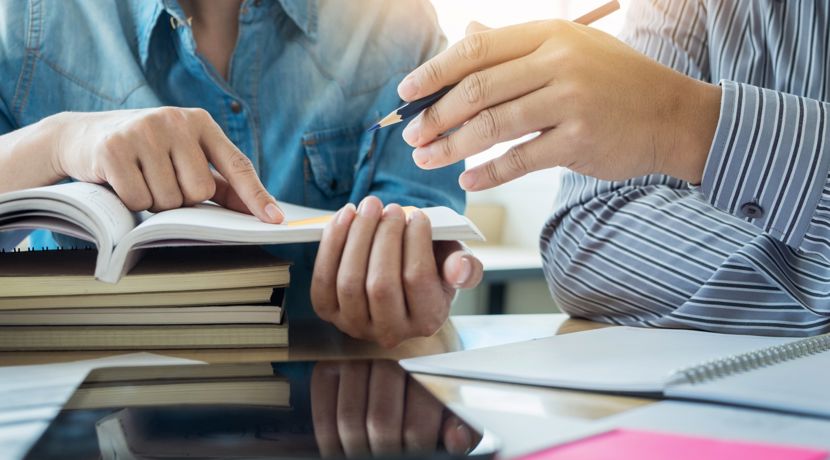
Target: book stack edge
pixel 183 297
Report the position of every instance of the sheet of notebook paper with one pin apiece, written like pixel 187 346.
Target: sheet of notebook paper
pixel 31 396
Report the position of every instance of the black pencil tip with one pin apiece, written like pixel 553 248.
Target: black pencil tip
pixel 373 128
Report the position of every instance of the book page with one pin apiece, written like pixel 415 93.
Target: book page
pixel 90 206
pixel 55 224
pixel 210 224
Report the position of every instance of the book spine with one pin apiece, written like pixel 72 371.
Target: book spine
pixel 745 362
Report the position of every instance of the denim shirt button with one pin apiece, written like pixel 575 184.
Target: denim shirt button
pixel 751 210
pixel 236 107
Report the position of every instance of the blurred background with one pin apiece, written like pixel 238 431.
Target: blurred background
pixel 512 215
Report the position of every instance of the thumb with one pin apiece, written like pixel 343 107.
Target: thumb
pixel 226 196
pixel 475 27
pixel 459 268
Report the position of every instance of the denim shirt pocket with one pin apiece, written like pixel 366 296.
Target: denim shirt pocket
pixel 333 157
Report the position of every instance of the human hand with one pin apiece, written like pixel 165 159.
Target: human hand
pixel 359 407
pixel 158 159
pixel 379 276
pixel 600 107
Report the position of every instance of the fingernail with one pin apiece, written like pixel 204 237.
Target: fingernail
pixel 465 273
pixel 421 156
pixel 415 215
pixel 368 207
pixel 468 180
pixel 408 88
pixel 274 213
pixel 345 214
pixel 412 133
pixel 393 210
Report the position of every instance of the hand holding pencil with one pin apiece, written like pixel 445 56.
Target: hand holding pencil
pixel 599 107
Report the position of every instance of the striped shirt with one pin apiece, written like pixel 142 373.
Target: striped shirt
pixel 748 251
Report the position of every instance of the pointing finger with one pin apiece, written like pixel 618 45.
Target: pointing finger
pixel 240 173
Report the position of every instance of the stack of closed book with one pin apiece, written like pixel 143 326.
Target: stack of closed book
pixel 183 297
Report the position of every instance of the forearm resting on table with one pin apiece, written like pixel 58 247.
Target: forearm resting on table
pixel 27 156
pixel 651 252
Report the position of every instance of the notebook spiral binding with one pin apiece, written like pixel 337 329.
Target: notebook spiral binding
pixel 88 247
pixel 746 362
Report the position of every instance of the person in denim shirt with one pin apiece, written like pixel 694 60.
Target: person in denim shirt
pixel 245 103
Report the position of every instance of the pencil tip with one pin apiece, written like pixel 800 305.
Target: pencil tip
pixel 373 128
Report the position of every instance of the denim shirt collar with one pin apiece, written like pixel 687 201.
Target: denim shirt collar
pixel 303 13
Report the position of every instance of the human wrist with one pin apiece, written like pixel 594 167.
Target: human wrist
pixel 694 129
pixel 49 137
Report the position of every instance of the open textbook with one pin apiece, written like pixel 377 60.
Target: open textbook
pixel 95 214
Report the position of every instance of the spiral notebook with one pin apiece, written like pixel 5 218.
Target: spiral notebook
pixel 785 374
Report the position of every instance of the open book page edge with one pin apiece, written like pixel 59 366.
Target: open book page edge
pixel 102 209
pixel 99 204
pixel 215 225
pixel 61 216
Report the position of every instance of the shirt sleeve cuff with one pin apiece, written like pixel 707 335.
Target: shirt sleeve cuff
pixel 768 162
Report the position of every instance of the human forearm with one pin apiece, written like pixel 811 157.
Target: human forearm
pixel 154 159
pixel 26 156
pixel 651 251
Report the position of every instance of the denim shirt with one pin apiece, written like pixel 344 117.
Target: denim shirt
pixel 306 79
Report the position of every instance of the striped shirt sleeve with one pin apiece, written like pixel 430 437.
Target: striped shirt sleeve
pixel 655 251
pixel 769 164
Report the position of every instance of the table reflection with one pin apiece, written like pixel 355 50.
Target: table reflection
pixel 331 409
pixel 361 407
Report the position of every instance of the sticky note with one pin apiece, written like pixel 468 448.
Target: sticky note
pixel 644 445
pixel 407 210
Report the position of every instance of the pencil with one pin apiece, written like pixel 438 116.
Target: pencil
pixel 409 110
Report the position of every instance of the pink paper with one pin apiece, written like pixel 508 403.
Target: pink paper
pixel 643 445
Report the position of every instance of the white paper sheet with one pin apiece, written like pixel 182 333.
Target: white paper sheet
pixel 725 422
pixel 31 396
pixel 619 359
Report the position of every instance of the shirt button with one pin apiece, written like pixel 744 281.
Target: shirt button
pixel 236 107
pixel 752 210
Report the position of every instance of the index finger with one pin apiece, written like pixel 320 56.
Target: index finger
pixel 238 170
pixel 475 52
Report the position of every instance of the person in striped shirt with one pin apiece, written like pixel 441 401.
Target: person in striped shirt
pixel 698 193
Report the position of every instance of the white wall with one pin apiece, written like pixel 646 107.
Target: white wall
pixel 530 199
